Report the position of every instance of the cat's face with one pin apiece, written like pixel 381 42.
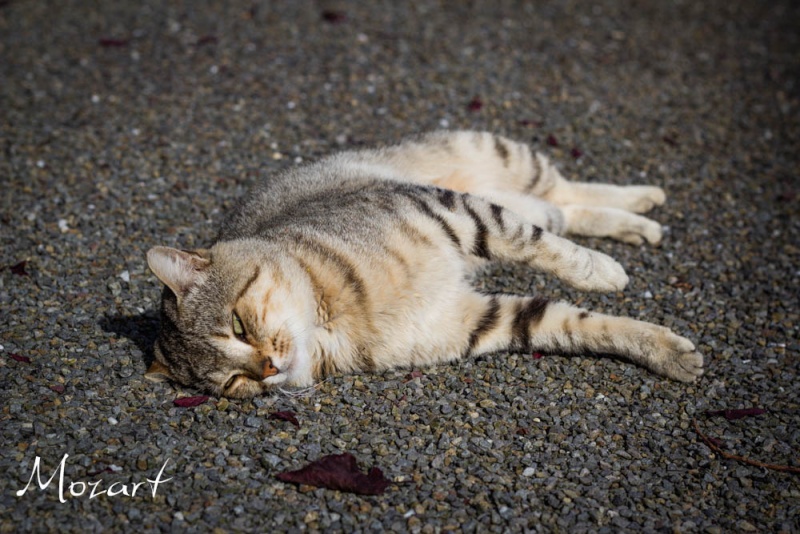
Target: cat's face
pixel 230 322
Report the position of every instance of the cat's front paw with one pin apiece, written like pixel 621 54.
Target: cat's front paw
pixel 598 273
pixel 677 358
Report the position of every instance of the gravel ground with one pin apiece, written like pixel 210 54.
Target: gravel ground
pixel 131 124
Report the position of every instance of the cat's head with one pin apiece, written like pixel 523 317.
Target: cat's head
pixel 231 323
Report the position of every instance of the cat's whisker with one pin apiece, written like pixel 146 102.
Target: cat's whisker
pixel 304 392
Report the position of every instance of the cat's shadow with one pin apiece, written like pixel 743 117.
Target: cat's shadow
pixel 141 329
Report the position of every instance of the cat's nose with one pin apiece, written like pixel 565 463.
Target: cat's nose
pixel 268 369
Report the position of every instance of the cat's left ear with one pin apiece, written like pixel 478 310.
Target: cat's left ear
pixel 180 270
pixel 158 372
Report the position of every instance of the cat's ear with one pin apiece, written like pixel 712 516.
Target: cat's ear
pixel 158 372
pixel 180 270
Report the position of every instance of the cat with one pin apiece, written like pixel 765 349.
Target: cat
pixel 362 262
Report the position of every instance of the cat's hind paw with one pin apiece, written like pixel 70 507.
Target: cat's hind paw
pixel 615 223
pixel 642 198
pixel 639 231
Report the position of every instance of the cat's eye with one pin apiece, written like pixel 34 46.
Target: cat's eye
pixel 238 328
pixel 230 382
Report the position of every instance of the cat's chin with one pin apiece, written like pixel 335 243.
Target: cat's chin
pixel 274 380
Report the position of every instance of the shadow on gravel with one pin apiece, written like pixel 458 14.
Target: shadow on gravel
pixel 141 329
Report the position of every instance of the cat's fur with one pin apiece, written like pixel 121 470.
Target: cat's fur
pixel 362 262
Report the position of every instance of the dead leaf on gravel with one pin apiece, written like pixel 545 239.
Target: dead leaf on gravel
pixel 475 104
pixel 19 268
pixel 285 416
pixel 339 472
pixel 189 402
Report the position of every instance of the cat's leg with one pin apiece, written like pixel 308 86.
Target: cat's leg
pixel 610 222
pixel 580 220
pixel 486 230
pixel 506 322
pixel 511 175
pixel 482 163
pixel 533 210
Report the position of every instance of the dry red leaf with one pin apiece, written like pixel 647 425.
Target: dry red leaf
pixel 670 139
pixel 576 152
pixel 732 415
pixel 285 416
pixel 206 39
pixel 475 104
pixel 58 388
pixel 538 355
pixel 19 268
pixel 109 42
pixel 23 359
pixel 338 472
pixel 334 17
pixel 188 402
pixel 551 140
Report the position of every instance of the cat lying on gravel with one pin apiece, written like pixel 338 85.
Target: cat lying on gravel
pixel 362 262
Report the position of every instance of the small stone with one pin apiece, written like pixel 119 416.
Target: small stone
pixel 529 472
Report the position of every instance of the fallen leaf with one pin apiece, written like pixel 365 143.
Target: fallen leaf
pixel 576 152
pixel 19 358
pixel 108 42
pixel 58 388
pixel 732 415
pixel 188 402
pixel 206 39
pixel 551 140
pixel 537 355
pixel 670 139
pixel 522 431
pixel 334 17
pixel 19 268
pixel 475 104
pixel 285 416
pixel 338 472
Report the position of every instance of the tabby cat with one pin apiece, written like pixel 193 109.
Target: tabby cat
pixel 362 262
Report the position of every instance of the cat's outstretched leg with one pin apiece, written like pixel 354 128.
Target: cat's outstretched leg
pixel 610 222
pixel 512 175
pixel 506 322
pixel 486 230
pixel 580 220
pixel 548 183
pixel 481 163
